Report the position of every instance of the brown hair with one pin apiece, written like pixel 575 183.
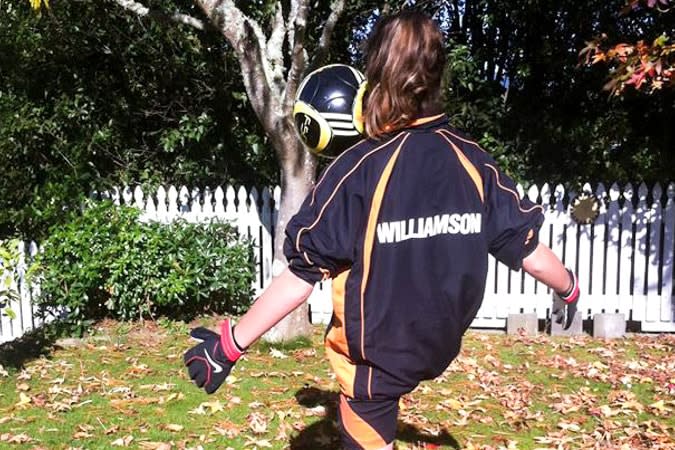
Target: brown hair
pixel 404 66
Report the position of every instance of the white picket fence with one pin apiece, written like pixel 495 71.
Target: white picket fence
pixel 624 260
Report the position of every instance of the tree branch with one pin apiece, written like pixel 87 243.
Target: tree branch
pixel 275 44
pixel 249 44
pixel 336 7
pixel 143 11
pixel 296 35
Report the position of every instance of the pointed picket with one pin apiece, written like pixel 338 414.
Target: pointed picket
pixel 207 205
pixel 219 206
pixel 243 212
pixel 254 227
pixel 611 288
pixel 653 306
pixel 138 198
pixel 597 266
pixel 529 284
pixel 627 252
pixel 230 207
pixel 172 202
pixel 520 190
pixel 195 214
pixel 162 207
pixel 115 195
pixel 267 237
pixel 571 239
pixel 183 202
pixel 127 196
pixel 25 313
pixel 642 218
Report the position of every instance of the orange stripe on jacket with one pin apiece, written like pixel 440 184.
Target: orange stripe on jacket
pixel 332 164
pixel 337 349
pixel 370 233
pixel 468 166
pixel 358 428
pixel 467 141
pixel 515 195
pixel 332 195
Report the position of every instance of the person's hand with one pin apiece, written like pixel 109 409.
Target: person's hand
pixel 565 303
pixel 211 361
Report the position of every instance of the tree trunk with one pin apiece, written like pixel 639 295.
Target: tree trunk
pixel 298 169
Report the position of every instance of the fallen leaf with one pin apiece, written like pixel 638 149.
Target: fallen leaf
pixel 277 354
pixel 24 400
pixel 148 445
pixel 257 423
pixel 123 441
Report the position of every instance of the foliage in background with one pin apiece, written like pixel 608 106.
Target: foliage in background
pixel 91 96
pixel 105 262
pixel 137 101
pixel 546 115
pixel 9 260
pixel 520 91
pixel 648 64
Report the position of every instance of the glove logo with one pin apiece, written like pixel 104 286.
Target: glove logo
pixel 217 368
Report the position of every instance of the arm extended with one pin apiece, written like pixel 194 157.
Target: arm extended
pixel 545 266
pixel 283 295
pixel 211 361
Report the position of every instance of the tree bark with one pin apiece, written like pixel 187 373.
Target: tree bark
pixel 298 171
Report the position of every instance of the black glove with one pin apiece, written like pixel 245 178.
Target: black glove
pixel 210 361
pixel 565 303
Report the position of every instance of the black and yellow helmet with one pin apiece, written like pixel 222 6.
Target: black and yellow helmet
pixel 328 109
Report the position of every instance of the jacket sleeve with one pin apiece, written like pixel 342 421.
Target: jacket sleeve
pixel 320 238
pixel 512 224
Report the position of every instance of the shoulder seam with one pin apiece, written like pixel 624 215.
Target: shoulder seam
pixel 325 173
pixel 337 187
pixel 512 192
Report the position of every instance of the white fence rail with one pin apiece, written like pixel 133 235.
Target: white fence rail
pixel 624 260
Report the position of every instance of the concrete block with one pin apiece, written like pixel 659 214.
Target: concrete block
pixel 609 326
pixel 526 323
pixel 575 329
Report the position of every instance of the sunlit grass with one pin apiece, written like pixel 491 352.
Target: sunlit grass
pixel 125 385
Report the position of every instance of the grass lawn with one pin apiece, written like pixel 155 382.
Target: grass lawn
pixel 125 386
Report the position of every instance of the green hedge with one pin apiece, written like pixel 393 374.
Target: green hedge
pixel 105 262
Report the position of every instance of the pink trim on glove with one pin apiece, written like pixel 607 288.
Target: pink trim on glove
pixel 573 294
pixel 230 347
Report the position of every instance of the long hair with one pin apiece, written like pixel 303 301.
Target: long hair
pixel 404 67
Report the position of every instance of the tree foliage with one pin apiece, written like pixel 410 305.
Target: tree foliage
pixel 137 99
pixel 649 63
pixel 517 86
pixel 120 101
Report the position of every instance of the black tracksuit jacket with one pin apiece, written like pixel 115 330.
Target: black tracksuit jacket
pixel 404 225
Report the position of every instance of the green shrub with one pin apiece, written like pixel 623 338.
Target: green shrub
pixel 105 262
pixel 9 260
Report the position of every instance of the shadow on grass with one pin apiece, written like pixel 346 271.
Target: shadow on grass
pixel 33 344
pixel 324 434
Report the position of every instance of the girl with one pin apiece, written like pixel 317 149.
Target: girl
pixel 402 223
